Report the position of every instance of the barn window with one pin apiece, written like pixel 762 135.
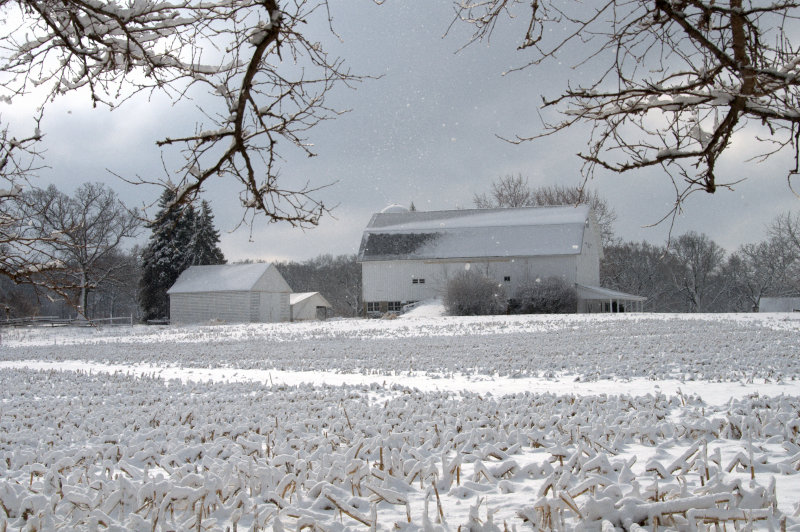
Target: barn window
pixel 395 306
pixel 417 281
pixel 373 306
pixel 507 279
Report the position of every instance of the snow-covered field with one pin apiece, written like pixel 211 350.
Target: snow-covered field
pixel 570 422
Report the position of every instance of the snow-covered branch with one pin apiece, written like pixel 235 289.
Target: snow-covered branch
pixel 675 80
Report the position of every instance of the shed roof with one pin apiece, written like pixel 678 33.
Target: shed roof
pixel 229 278
pixel 294 299
pixel 479 233
pixel 604 294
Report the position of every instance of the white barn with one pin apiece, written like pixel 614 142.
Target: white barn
pixel 408 256
pixel 308 306
pixel 233 293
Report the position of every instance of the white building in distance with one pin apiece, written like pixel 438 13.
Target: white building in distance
pixel 231 293
pixel 408 256
pixel 309 306
pixel 779 304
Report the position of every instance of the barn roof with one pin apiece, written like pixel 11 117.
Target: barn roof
pixel 227 278
pixel 475 233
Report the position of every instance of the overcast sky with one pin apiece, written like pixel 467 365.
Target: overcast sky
pixel 425 132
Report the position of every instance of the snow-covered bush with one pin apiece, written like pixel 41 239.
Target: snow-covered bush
pixel 545 296
pixel 472 294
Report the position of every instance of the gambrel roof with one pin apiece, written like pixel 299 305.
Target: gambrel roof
pixel 261 277
pixel 475 233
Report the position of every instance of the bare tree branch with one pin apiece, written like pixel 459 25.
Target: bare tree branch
pixel 678 78
pixel 268 82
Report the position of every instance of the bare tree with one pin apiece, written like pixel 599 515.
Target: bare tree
pixel 643 269
pixel 508 191
pixel 677 79
pixel 759 270
pixel 514 191
pixel 696 276
pixel 18 158
pixel 268 82
pixel 84 232
pixel 785 232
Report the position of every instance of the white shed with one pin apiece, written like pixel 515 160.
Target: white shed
pixel 779 304
pixel 233 293
pixel 308 306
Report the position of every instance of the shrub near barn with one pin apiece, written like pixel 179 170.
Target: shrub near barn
pixel 472 294
pixel 545 296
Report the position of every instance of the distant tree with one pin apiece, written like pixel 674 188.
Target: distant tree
pixel 697 278
pixel 471 294
pixel 513 191
pixel 118 296
pixel 509 191
pixel 412 207
pixel 663 84
pixel 84 232
pixel 338 279
pixel 643 269
pixel 165 255
pixel 785 232
pixel 552 295
pixel 17 300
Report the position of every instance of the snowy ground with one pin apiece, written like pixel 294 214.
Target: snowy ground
pixel 420 422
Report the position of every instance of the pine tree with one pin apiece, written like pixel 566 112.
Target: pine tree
pixel 205 239
pixel 164 257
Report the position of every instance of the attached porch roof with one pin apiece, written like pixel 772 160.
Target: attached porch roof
pixel 597 293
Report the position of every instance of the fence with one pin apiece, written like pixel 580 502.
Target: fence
pixel 55 321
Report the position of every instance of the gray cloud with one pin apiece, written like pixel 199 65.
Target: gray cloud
pixel 426 131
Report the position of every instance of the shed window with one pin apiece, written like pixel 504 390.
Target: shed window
pixel 507 279
pixel 373 306
pixel 417 281
pixel 395 306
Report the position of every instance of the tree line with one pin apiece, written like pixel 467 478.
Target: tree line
pixel 90 273
pixel 75 261
pixel 690 272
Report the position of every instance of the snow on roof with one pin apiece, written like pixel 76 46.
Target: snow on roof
pixel 528 231
pixel 598 293
pixel 294 299
pixel 219 278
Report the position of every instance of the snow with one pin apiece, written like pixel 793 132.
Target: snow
pixel 219 278
pixel 521 232
pixel 421 422
pixel 472 218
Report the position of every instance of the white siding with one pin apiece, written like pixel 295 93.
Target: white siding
pixel 588 262
pixel 393 280
pixel 274 307
pixel 207 306
pixel 230 307
pixel 779 304
pixel 306 309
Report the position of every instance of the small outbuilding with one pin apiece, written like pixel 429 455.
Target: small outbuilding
pixel 232 293
pixel 308 306
pixel 779 304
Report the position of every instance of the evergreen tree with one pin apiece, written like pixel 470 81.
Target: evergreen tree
pixel 164 257
pixel 181 237
pixel 204 246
